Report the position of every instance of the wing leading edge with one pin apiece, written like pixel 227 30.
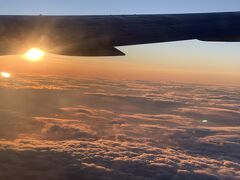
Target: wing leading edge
pixel 99 35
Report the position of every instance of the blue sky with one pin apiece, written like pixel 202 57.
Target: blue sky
pixel 78 7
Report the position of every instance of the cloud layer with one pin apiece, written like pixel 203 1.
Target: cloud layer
pixel 63 128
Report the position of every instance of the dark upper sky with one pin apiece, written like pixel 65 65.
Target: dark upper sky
pixel 78 7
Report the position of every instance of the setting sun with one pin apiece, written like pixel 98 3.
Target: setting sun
pixel 34 54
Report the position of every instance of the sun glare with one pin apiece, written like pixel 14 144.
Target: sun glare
pixel 34 54
pixel 5 74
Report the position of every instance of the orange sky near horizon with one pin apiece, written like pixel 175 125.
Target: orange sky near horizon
pixel 180 62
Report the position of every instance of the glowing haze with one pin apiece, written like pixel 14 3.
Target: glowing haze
pixel 188 61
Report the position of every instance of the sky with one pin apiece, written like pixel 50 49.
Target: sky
pixel 192 61
pixel 78 7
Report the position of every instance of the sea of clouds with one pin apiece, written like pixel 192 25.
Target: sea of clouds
pixel 65 128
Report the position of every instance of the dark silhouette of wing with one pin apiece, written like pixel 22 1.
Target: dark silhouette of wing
pixel 99 35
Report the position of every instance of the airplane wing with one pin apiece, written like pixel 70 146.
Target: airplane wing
pixel 99 35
